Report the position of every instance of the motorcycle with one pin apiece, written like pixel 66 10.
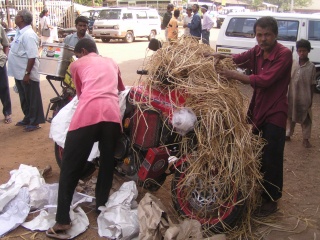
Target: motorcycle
pixel 148 141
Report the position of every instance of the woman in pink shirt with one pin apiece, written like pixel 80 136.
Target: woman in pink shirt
pixel 97 118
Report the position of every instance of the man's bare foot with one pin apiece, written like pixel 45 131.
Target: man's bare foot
pixel 306 143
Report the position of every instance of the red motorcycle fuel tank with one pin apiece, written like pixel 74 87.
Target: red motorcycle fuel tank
pixel 164 101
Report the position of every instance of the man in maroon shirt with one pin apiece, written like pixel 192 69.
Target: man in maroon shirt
pixel 270 63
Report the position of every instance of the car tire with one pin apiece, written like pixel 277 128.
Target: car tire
pixel 129 38
pixel 105 40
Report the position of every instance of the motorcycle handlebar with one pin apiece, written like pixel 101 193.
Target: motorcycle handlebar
pixel 142 72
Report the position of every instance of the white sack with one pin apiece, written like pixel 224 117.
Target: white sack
pixel 60 125
pixel 119 218
pixel 61 122
pixel 183 120
pixel 25 176
pixel 15 212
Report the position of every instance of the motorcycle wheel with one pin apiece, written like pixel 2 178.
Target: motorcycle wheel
pixel 218 221
pixel 58 152
pixel 154 184
pixel 89 168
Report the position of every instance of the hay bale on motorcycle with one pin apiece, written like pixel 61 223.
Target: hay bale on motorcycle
pixel 216 179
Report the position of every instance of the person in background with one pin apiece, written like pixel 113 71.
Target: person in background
pixel 302 84
pixel 4 83
pixel 45 23
pixel 166 19
pixel 23 65
pixel 81 23
pixel 195 25
pixel 186 20
pixel 270 63
pixel 207 24
pixel 173 30
pixel 97 118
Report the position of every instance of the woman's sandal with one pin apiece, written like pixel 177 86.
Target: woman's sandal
pixel 7 119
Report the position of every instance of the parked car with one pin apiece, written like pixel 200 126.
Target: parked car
pixel 127 24
pixel 236 34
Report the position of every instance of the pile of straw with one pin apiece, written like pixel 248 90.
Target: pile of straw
pixel 226 157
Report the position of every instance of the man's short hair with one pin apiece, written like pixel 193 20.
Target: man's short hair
pixel 267 22
pixel 87 44
pixel 303 43
pixel 176 13
pixel 170 5
pixel 26 16
pixel 81 19
pixel 189 8
pixel 196 5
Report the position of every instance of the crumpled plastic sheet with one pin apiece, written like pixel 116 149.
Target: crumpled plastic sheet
pixel 61 122
pixel 26 189
pixel 15 212
pixel 46 218
pixel 25 176
pixel 119 218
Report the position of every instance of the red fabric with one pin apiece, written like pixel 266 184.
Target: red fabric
pixel 270 80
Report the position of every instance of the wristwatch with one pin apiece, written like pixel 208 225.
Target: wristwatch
pixel 26 73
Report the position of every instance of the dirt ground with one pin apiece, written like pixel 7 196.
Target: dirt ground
pixel 298 217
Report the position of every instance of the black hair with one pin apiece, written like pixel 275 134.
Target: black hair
pixel 267 22
pixel 170 5
pixel 81 19
pixel 176 13
pixel 87 44
pixel 197 6
pixel 44 11
pixel 303 43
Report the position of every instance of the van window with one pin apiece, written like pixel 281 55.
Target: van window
pixel 110 14
pixel 241 27
pixel 287 30
pixel 127 16
pixel 142 15
pixel 314 30
pixel 153 15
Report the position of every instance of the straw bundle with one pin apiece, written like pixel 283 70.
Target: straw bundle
pixel 225 159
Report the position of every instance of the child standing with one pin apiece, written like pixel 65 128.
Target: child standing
pixel 303 80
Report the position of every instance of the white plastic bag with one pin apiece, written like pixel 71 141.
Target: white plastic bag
pixel 183 120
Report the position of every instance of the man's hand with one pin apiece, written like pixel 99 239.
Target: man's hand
pixel 26 79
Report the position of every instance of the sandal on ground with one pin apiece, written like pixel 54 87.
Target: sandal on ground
pixel 7 119
pixel 22 123
pixel 30 128
pixel 57 234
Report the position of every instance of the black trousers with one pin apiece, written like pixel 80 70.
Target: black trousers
pixel 31 102
pixel 4 91
pixel 77 149
pixel 272 161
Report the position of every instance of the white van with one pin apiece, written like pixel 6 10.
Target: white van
pixel 236 33
pixel 126 24
pixel 224 11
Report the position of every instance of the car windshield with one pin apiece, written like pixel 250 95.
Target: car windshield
pixel 110 14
